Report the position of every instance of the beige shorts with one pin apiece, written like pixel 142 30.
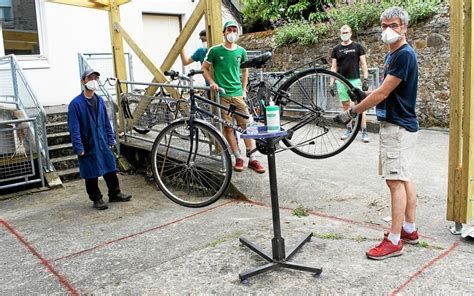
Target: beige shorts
pixel 397 148
pixel 241 107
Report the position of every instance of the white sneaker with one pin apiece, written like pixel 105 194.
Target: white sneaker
pixel 365 136
pixel 346 134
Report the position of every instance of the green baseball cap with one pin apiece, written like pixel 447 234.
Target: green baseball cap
pixel 231 23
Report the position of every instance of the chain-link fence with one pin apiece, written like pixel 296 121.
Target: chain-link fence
pixel 20 154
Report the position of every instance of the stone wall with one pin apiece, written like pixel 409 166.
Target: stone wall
pixel 430 40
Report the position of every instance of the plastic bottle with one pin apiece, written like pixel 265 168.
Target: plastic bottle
pixel 252 127
pixel 273 117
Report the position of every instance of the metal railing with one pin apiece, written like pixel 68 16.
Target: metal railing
pixel 20 154
pixel 104 64
pixel 16 92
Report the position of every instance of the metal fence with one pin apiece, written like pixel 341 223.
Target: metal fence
pixel 20 154
pixel 318 88
pixel 104 64
pixel 17 95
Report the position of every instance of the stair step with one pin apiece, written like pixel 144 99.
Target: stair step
pixel 63 158
pixel 56 151
pixel 69 174
pixel 58 138
pixel 56 127
pixel 65 162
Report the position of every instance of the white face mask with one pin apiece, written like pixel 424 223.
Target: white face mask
pixel 345 37
pixel 92 85
pixel 204 44
pixel 232 37
pixel 389 36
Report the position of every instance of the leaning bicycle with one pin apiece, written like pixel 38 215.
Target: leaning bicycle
pixel 308 106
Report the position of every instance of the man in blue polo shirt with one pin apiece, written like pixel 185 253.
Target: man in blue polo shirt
pixel 395 100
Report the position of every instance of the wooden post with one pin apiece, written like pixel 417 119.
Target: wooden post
pixel 465 211
pixel 118 56
pixel 461 144
pixel 213 22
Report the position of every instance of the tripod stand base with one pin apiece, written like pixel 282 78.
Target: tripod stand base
pixel 278 262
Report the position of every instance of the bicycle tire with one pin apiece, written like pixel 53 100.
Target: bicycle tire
pixel 312 133
pixel 192 169
pixel 139 129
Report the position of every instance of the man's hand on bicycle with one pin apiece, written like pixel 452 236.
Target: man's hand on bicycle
pixel 365 84
pixel 356 95
pixel 346 116
pixel 214 86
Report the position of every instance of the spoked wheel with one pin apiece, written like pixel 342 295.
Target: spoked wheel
pixel 143 124
pixel 309 114
pixel 192 166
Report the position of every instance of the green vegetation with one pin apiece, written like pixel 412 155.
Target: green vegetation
pixel 423 244
pixel 300 211
pixel 332 236
pixel 219 241
pixel 305 22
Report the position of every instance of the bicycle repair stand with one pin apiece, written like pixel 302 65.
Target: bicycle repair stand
pixel 278 258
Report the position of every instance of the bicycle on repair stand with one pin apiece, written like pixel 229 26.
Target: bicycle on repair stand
pixel 191 162
pixel 307 107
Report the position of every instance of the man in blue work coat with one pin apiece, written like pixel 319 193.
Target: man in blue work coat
pixel 93 140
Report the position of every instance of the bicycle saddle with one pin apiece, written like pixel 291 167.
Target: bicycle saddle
pixel 258 61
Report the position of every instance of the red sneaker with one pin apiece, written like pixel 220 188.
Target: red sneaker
pixel 239 165
pixel 409 238
pixel 256 166
pixel 385 250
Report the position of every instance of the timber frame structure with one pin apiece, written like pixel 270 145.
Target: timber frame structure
pixel 211 9
pixel 461 134
pixel 461 138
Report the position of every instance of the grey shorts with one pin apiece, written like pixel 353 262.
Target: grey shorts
pixel 397 148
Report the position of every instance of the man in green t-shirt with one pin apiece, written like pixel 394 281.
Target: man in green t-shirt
pixel 225 59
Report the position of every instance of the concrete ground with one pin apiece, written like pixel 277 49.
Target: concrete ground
pixel 53 242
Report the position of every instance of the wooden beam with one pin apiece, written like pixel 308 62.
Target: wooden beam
pixel 105 3
pixel 455 112
pixel 213 22
pixel 465 210
pixel 155 71
pixel 80 3
pixel 118 55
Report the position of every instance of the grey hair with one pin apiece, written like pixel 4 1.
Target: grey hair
pixel 395 12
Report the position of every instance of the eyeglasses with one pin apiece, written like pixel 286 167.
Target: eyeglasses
pixel 392 26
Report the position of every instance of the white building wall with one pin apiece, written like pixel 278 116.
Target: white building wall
pixel 67 30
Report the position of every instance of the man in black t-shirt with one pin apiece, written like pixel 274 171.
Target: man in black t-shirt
pixel 346 58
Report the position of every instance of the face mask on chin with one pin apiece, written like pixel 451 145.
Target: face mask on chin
pixel 204 44
pixel 232 37
pixel 345 37
pixel 389 36
pixel 91 85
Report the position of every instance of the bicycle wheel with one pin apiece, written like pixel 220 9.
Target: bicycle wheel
pixel 192 166
pixel 309 114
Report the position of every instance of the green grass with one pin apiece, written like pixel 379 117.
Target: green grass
pixel 300 211
pixel 329 235
pixel 219 241
pixel 423 244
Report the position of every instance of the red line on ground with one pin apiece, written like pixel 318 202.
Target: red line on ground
pixel 324 215
pixel 424 268
pixel 43 261
pixel 142 232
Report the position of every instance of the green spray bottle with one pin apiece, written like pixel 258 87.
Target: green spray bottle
pixel 272 117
